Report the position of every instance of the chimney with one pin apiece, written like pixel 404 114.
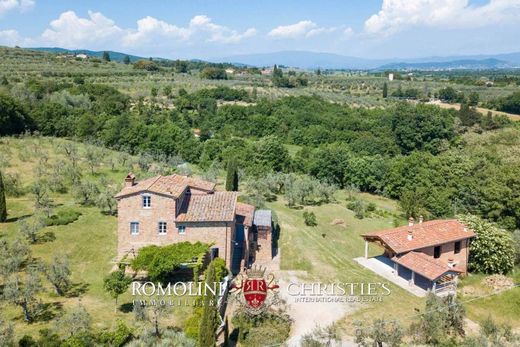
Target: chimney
pixel 421 219
pixel 410 235
pixel 410 222
pixel 130 180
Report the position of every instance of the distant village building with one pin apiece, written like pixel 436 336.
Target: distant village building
pixel 82 56
pixel 390 76
pixel 230 71
pixel 169 209
pixel 430 255
pixel 266 72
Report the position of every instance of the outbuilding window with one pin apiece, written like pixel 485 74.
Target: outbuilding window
pixel 456 249
pixel 437 252
pixel 181 229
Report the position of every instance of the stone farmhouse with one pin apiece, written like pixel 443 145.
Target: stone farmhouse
pixel 168 209
pixel 429 255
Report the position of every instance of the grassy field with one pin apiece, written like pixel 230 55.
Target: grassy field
pixel 484 111
pixel 89 242
pixel 355 88
pixel 327 251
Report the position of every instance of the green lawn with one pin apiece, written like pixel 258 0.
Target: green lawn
pixel 327 251
pixel 89 242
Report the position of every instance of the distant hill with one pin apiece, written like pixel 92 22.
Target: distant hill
pixel 467 64
pixel 313 60
pixel 304 60
pixel 115 56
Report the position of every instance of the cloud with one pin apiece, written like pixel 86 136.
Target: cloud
pixel 218 33
pixel 20 5
pixel 348 32
pixel 11 38
pixel 71 31
pixel 304 28
pixel 98 31
pixel 150 30
pixel 397 15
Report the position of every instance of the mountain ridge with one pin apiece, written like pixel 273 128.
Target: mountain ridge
pixel 324 60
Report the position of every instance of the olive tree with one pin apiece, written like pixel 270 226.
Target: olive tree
pixel 23 293
pixel 58 273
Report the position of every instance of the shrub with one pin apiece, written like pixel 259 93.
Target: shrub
pixel 358 208
pixel 371 207
pixel 146 65
pixel 213 73
pixel 489 237
pixel 270 328
pixel 310 219
pixel 63 217
pixel 160 262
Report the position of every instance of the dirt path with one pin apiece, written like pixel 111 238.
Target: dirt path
pixel 484 111
pixel 308 315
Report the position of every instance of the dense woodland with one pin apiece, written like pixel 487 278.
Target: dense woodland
pixel 415 153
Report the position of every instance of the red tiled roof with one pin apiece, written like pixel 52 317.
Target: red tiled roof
pixel 246 213
pixel 424 234
pixel 172 185
pixel 423 264
pixel 216 207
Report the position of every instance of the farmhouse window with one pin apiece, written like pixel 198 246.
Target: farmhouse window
pixel 181 229
pixel 147 201
pixel 437 252
pixel 162 228
pixel 457 247
pixel 134 228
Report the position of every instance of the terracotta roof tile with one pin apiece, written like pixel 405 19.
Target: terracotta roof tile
pixel 216 207
pixel 172 185
pixel 245 213
pixel 423 264
pixel 425 234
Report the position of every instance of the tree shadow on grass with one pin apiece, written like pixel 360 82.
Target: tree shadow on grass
pixel 233 337
pixel 48 311
pixel 127 307
pixel 16 219
pixel 47 236
pixel 77 289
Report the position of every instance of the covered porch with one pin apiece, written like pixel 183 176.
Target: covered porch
pixel 412 280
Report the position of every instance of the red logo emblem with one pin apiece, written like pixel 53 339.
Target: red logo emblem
pixel 253 291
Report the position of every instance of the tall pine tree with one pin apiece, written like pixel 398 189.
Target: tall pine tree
pixel 385 90
pixel 209 320
pixel 232 176
pixel 3 205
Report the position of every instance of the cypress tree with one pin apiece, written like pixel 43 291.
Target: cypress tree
pixel 3 205
pixel 126 60
pixel 106 56
pixel 385 90
pixel 232 177
pixel 209 323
